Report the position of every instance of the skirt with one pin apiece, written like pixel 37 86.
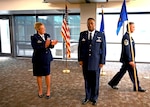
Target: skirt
pixel 41 70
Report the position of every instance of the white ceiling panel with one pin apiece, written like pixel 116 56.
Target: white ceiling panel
pixel 81 1
pixel 75 1
pixel 116 0
pixel 98 1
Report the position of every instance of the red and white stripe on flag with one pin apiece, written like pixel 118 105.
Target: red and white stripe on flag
pixel 65 32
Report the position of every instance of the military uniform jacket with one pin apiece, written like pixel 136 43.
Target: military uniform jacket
pixel 126 54
pixel 92 53
pixel 41 55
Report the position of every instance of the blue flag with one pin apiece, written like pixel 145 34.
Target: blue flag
pixel 123 16
pixel 102 23
pixel 102 30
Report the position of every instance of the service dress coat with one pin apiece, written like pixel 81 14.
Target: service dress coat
pixel 92 53
pixel 42 56
pixel 126 54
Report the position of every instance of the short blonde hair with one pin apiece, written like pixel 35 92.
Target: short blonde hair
pixel 37 25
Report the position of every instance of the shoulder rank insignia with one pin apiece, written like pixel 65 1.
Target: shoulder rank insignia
pixel 126 42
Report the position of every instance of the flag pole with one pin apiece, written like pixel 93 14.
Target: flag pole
pixel 66 12
pixel 102 73
pixel 132 54
pixel 123 17
pixel 66 17
pixel 66 70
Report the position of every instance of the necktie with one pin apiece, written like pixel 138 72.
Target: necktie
pixel 90 36
pixel 90 41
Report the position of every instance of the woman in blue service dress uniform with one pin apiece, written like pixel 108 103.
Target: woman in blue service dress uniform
pixel 42 57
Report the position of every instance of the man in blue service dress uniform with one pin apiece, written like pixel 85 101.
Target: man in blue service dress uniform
pixel 127 61
pixel 91 56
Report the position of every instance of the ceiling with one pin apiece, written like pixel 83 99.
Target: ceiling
pixel 79 1
pixel 74 1
pixel 59 11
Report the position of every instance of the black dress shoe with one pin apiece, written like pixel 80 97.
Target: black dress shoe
pixel 48 97
pixel 40 96
pixel 85 101
pixel 140 90
pixel 113 87
pixel 94 103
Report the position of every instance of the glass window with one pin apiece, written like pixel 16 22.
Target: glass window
pixel 23 29
pixel 74 24
pixel 113 52
pixel 53 24
pixel 140 36
pixel 5 36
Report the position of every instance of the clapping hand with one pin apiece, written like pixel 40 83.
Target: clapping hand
pixel 47 43
pixel 54 42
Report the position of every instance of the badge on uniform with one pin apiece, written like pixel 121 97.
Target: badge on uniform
pixel 98 39
pixel 83 39
pixel 126 42
pixel 39 41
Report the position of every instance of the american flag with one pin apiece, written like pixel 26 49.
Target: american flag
pixel 65 32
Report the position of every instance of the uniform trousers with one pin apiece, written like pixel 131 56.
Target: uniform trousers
pixel 125 66
pixel 91 78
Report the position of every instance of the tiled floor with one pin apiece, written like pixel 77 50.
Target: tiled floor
pixel 18 87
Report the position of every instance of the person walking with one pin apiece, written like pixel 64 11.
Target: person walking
pixel 127 62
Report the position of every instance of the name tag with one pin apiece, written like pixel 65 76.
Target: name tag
pixel 39 41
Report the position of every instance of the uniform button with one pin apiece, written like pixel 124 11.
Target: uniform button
pixel 89 49
pixel 89 54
